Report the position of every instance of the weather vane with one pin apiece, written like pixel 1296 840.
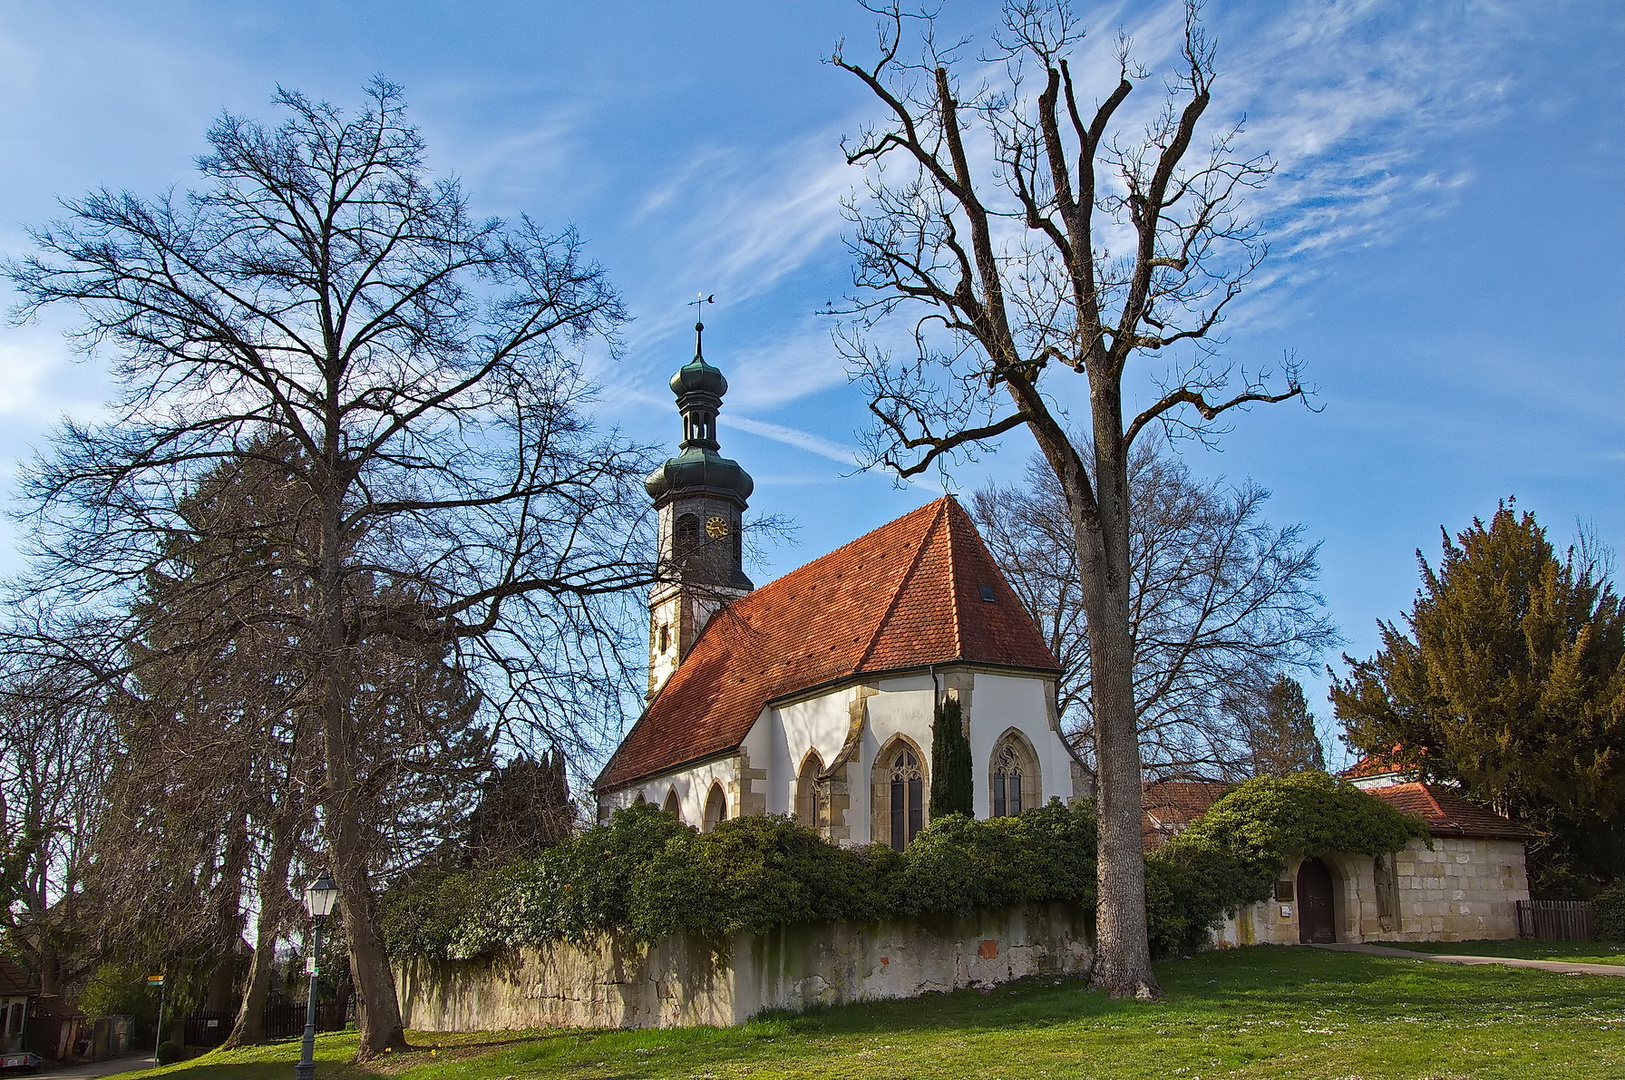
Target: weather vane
pixel 698 304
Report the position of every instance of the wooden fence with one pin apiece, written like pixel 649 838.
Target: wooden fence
pixel 1555 920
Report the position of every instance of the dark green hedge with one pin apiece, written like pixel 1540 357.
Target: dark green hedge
pixel 1608 913
pixel 646 874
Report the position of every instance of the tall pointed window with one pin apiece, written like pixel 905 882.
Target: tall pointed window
pixel 716 808
pixel 811 803
pixel 907 797
pixel 672 806
pixel 1013 776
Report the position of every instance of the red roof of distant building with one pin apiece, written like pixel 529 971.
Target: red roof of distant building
pixel 1379 764
pixel 1448 814
pixel 907 595
pixel 1168 806
pixel 15 982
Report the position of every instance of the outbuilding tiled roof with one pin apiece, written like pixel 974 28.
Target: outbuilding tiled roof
pixel 1168 806
pixel 907 595
pixel 15 982
pixel 1448 814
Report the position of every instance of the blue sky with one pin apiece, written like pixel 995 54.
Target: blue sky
pixel 1447 226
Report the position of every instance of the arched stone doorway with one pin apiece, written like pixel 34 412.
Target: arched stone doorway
pixel 1317 911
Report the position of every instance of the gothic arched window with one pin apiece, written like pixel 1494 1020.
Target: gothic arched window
pixel 812 805
pixel 672 806
pixel 1013 776
pixel 716 808
pixel 907 790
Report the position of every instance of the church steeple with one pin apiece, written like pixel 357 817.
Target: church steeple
pixel 701 499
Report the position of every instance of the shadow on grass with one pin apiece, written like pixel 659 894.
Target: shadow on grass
pixel 1258 981
pixel 1209 996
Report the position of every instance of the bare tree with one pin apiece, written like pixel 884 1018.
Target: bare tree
pixel 1024 235
pixel 54 755
pixel 1217 596
pixel 321 290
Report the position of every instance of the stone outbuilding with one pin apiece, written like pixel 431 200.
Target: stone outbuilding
pixel 1461 884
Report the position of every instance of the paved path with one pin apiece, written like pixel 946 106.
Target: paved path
pixel 111 1067
pixel 1564 967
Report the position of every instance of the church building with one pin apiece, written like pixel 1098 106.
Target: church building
pixel 814 695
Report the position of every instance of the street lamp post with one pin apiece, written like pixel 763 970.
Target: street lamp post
pixel 320 897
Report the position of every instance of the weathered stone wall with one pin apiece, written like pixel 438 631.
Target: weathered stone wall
pixel 678 982
pixel 1461 890
pixel 1458 890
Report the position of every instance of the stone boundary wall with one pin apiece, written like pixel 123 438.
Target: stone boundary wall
pixel 681 982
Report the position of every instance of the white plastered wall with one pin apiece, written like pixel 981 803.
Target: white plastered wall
pixel 788 732
pixel 904 706
pixel 693 786
pixel 1000 702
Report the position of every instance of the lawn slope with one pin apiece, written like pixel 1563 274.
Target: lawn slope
pixel 1258 1012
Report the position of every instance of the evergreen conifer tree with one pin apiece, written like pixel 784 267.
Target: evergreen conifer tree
pixel 1279 728
pixel 951 790
pixel 1511 682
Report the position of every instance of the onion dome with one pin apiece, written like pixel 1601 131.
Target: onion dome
pixel 698 468
pixel 698 377
pixel 699 388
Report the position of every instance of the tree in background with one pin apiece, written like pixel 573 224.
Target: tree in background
pixel 1273 716
pixel 323 291
pixel 1020 236
pixel 55 753
pixel 524 808
pixel 1218 599
pixel 952 789
pixel 1510 680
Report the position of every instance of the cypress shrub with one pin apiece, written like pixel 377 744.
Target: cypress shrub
pixel 951 786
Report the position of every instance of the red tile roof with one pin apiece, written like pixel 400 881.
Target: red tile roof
pixel 1380 764
pixel 1448 814
pixel 1167 806
pixel 904 596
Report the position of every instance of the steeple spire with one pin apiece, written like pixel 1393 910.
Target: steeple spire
pixel 701 498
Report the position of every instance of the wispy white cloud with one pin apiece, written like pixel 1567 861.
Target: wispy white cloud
pixel 1355 102
pixel 740 223
pixel 805 440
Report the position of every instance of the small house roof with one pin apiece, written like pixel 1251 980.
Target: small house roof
pixel 1168 806
pixel 1447 813
pixel 912 593
pixel 15 982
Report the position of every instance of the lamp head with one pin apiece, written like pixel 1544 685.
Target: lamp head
pixel 321 896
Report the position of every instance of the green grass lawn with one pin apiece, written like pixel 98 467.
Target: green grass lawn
pixel 1258 1012
pixel 1584 952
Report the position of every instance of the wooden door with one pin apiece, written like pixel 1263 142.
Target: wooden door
pixel 1317 921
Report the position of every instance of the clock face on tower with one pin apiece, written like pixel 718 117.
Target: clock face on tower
pixel 716 528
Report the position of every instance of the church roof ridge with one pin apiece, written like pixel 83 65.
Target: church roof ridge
pixel 913 566
pixel 911 593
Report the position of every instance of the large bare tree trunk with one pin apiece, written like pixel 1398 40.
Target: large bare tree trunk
pixel 994 313
pixel 378 1015
pixel 1123 964
pixel 273 911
